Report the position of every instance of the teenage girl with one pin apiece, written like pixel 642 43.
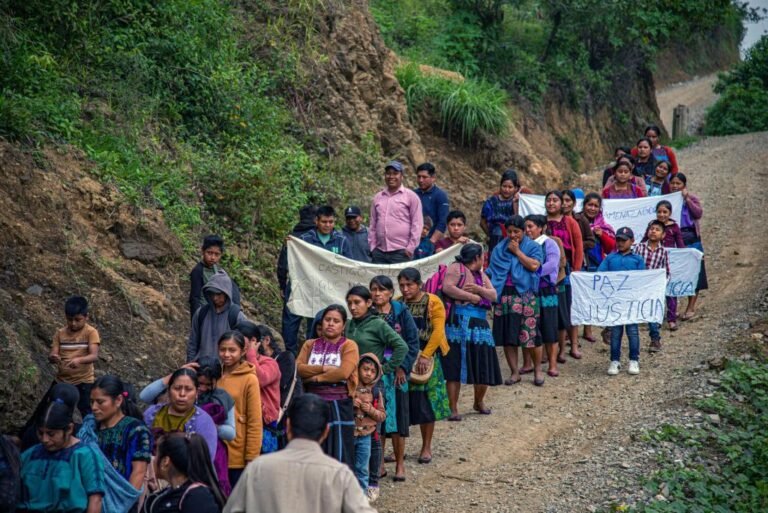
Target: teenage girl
pixel 658 184
pixel 499 207
pixel 622 186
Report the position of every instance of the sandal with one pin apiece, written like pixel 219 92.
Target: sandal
pixel 538 382
pixel 526 371
pixel 398 479
pixel 590 339
pixel 383 474
pixel 455 418
pixel 561 359
pixel 389 458
pixel 481 410
pixel 553 373
pixel 510 381
pixel 673 326
pixel 575 356
pixel 424 460
pixel 687 316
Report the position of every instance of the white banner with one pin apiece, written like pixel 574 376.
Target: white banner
pixel 684 267
pixel 616 298
pixel 320 277
pixel 635 213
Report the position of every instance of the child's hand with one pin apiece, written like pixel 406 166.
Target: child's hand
pixel 366 407
pixel 74 363
pixel 357 403
pixel 191 365
pixel 54 358
pixel 463 240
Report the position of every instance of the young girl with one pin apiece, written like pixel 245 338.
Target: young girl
pixel 180 414
pixel 499 207
pixel 240 382
pixel 395 384
pixel 605 243
pixel 428 402
pixel 645 163
pixel 691 233
pixel 568 231
pixel 457 224
pixel 569 206
pixel 328 366
pixel 622 186
pixel 673 238
pixel 120 430
pixel 635 179
pixel 61 473
pixel 658 184
pixel 183 461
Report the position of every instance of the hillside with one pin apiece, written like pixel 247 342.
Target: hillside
pixel 130 129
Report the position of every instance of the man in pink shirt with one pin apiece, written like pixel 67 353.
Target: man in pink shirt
pixel 396 220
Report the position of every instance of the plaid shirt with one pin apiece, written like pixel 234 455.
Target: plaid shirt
pixel 654 258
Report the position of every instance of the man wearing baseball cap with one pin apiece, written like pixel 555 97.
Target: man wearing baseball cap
pixel 396 219
pixel 356 234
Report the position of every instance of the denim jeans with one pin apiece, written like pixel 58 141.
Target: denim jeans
pixel 634 342
pixel 362 459
pixel 374 464
pixel 653 330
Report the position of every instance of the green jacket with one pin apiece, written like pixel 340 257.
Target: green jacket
pixel 373 335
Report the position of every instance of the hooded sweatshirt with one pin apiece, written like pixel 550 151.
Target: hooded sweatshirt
pixel 204 337
pixel 365 423
pixel 243 386
pixel 374 335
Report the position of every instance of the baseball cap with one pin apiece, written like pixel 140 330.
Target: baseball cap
pixel 352 211
pixel 625 233
pixel 394 164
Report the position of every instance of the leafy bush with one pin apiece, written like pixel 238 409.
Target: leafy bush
pixel 743 104
pixel 728 471
pixel 466 107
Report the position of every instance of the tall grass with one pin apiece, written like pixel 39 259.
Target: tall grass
pixel 466 108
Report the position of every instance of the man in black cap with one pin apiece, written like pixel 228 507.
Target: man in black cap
pixel 356 234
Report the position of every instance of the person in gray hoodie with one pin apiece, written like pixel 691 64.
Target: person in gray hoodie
pixel 211 320
pixel 356 234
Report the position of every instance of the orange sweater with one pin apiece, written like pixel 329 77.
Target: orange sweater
pixel 243 385
pixel 350 355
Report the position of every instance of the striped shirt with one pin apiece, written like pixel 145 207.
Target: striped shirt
pixel 70 345
pixel 654 258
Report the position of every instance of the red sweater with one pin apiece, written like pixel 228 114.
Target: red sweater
pixel 268 372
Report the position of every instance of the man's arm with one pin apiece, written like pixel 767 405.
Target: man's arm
pixel 417 223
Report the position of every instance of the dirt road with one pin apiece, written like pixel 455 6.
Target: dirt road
pixel 572 445
pixel 696 94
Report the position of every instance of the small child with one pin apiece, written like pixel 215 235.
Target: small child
pixel 369 411
pixel 623 259
pixel 656 257
pixel 212 251
pixel 75 348
pixel 425 247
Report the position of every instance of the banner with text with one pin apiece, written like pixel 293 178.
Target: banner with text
pixel 684 267
pixel 616 298
pixel 320 277
pixel 635 213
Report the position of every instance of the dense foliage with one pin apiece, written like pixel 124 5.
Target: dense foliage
pixel 727 467
pixel 584 49
pixel 743 103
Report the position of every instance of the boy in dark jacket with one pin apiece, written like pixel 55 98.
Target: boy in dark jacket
pixel 212 251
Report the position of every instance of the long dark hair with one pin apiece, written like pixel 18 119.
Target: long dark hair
pixel 189 455
pixel 56 416
pixel 114 388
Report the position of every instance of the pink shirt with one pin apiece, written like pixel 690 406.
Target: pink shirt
pixel 396 221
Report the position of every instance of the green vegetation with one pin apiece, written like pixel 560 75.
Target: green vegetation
pixel 464 107
pixel 743 104
pixel 727 467
pixel 170 102
pixel 585 51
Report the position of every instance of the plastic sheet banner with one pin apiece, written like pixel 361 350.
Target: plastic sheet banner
pixel 635 213
pixel 684 267
pixel 320 278
pixel 616 298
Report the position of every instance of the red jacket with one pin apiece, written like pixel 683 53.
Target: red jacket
pixel 268 372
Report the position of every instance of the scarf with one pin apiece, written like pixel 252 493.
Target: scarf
pixel 599 222
pixel 168 423
pixel 503 264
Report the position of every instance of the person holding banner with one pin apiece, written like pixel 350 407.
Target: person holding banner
pixel 428 402
pixel 635 179
pixel 513 270
pixel 568 231
pixel 623 259
pixel 328 366
pixel 655 256
pixel 500 207
pixel 457 225
pixel 623 185
pixel 691 233
pixel 395 384
pixel 472 359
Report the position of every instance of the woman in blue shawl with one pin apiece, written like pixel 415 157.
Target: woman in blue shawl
pixel 513 266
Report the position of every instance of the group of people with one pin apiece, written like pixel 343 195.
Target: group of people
pixel 243 415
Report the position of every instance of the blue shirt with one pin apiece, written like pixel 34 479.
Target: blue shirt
pixel 434 203
pixel 618 262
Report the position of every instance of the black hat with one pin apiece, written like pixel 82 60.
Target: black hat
pixel 352 211
pixel 625 233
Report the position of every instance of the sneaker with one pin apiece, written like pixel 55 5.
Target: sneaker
pixel 634 367
pixel 613 368
pixel 655 345
pixel 373 494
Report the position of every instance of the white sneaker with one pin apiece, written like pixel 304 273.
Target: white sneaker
pixel 613 368
pixel 634 367
pixel 373 494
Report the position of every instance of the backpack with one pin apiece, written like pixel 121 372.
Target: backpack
pixel 434 285
pixel 202 313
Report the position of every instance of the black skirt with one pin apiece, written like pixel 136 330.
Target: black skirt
pixel 472 358
pixel 564 299
pixel 340 443
pixel 548 315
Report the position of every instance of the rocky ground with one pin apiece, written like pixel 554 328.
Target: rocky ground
pixel 575 444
